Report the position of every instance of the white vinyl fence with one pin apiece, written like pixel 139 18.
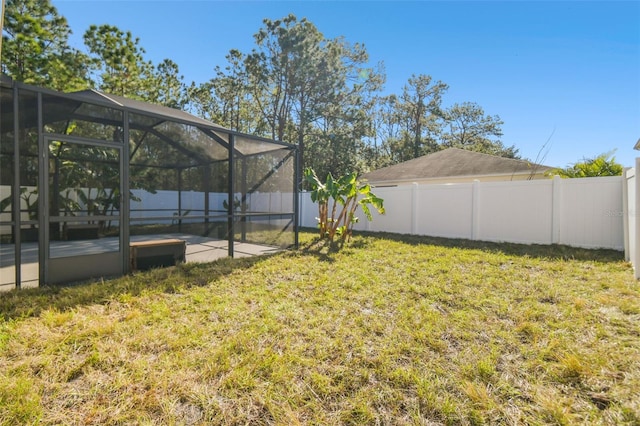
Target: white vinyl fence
pixel 577 212
pixel 588 212
pixel 164 203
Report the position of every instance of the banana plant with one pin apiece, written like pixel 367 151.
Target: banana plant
pixel 319 194
pixel 25 195
pixel 237 204
pixel 345 195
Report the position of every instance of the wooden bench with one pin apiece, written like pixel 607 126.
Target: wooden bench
pixel 156 253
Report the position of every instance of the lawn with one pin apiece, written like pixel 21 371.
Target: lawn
pixel 389 330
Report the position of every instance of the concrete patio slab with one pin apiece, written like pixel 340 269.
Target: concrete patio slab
pixel 199 249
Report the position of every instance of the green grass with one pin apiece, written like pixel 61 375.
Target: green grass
pixel 388 330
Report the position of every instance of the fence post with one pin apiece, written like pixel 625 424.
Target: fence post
pixel 556 194
pixel 414 208
pixel 300 209
pixel 367 225
pixel 625 212
pixel 475 209
pixel 636 218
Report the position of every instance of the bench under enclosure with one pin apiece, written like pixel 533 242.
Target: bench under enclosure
pixel 157 253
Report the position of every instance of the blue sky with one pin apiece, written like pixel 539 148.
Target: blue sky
pixel 567 72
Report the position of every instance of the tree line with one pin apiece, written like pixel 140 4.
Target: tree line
pixel 295 85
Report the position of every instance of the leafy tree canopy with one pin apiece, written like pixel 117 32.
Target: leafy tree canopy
pixel 35 47
pixel 468 127
pixel 602 165
pixel 295 85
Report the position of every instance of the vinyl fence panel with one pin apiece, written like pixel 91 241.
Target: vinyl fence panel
pixel 592 213
pixel 398 216
pixel 445 210
pixel 518 212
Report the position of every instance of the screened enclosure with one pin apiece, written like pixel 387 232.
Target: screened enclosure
pixel 85 174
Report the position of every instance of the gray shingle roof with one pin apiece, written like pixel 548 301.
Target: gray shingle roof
pixel 453 162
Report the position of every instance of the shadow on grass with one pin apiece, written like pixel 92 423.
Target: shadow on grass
pixel 554 251
pixel 31 302
pixel 323 250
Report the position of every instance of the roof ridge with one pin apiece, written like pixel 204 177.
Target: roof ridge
pixel 108 96
pixel 520 160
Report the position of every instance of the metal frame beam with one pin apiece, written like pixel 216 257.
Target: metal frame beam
pixel 16 215
pixel 230 210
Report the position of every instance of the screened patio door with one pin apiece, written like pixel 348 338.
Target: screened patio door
pixel 84 237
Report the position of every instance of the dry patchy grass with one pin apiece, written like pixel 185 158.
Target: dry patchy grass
pixel 388 330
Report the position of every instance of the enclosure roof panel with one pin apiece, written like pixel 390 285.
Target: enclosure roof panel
pixel 144 107
pixel 198 140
